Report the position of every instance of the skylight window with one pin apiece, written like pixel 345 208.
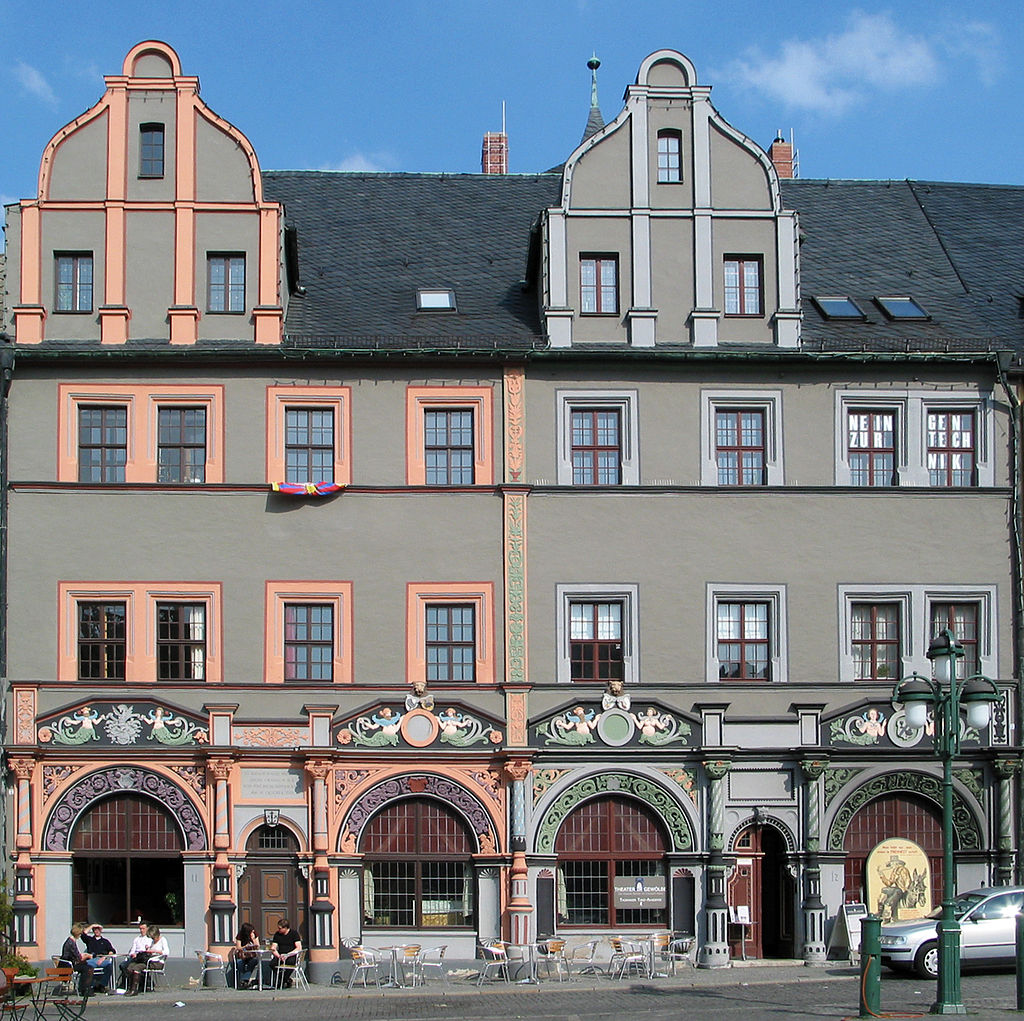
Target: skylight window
pixel 838 306
pixel 901 307
pixel 435 299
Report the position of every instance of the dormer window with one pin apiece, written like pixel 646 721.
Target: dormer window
pixel 670 168
pixel 151 150
pixel 743 285
pixel 435 299
pixel 901 307
pixel 838 306
pixel 599 284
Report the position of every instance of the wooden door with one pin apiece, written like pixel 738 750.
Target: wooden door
pixel 762 884
pixel 271 887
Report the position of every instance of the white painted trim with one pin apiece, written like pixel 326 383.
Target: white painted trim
pixel 625 593
pixel 768 401
pixel 627 401
pixel 778 627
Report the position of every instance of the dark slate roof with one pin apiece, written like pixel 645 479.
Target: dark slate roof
pixel 367 242
pixel 957 249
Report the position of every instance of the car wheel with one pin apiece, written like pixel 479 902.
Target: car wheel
pixel 926 963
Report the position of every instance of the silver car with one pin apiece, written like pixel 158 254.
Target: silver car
pixel 987 932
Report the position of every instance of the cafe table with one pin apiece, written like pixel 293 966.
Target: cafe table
pixel 47 1002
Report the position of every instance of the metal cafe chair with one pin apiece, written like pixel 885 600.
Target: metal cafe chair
pixel 292 966
pixel 551 951
pixel 364 962
pixel 154 973
pixel 584 957
pixel 495 956
pixel 210 964
pixel 431 957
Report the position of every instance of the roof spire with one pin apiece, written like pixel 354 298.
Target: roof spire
pixel 594 121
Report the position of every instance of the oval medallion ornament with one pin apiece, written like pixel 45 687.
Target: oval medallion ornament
pixel 419 728
pixel 615 727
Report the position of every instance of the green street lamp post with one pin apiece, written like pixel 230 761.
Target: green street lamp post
pixel 945 694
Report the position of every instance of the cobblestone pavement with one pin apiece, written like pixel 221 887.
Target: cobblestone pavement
pixel 753 993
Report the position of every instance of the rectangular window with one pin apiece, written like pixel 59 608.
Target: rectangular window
pixel 962 620
pixel 871 447
pixel 102 644
pixel 181 445
pixel 102 443
pixel 743 285
pixel 669 165
pixel 595 641
pixel 73 285
pixel 448 446
pixel 309 642
pixel 180 641
pixel 309 445
pixel 740 447
pixel 226 290
pixel 596 447
pixel 875 641
pixel 951 448
pixel 744 648
pixel 151 150
pixel 450 642
pixel 599 284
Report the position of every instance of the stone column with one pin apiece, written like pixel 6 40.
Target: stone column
pixel 520 909
pixel 1006 770
pixel 715 951
pixel 814 951
pixel 24 904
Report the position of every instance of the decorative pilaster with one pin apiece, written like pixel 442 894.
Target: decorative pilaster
pixel 715 951
pixel 321 908
pixel 222 905
pixel 517 772
pixel 24 904
pixel 1006 770
pixel 814 950
pixel 514 537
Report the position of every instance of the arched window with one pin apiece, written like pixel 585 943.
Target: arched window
pixel 893 816
pixel 611 865
pixel 418 868
pixel 126 863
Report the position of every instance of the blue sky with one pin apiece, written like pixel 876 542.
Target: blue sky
pixel 913 88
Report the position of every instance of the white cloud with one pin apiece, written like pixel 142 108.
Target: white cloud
pixel 361 162
pixel 872 54
pixel 34 83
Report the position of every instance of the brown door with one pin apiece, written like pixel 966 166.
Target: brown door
pixel 762 885
pixel 272 888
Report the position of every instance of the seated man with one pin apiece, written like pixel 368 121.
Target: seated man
pixel 285 942
pixel 103 954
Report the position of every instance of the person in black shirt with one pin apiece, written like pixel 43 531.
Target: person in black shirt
pixel 82 964
pixel 102 955
pixel 286 943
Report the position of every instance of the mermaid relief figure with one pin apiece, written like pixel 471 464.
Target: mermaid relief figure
pixel 386 720
pixel 651 722
pixel 581 721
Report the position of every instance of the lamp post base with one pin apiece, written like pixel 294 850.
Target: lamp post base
pixel 949 999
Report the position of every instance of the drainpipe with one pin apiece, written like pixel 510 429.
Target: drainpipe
pixel 1003 361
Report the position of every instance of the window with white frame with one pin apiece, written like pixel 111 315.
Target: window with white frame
pixel 597 633
pixel 885 630
pixel 746 633
pixel 741 434
pixel 922 438
pixel 597 438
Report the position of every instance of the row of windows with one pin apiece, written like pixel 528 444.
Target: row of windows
pixel 599 284
pixel 73 281
pixel 597 637
pixel 597 438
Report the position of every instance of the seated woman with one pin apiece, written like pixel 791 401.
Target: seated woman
pixel 158 946
pixel 245 958
pixel 82 963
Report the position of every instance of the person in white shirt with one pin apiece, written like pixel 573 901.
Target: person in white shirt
pixel 140 945
pixel 158 947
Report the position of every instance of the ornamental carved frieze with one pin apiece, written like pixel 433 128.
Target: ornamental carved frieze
pixel 397 726
pixel 515 421
pixel 122 780
pixel 836 778
pixel 25 715
pixel 644 789
pixel 878 724
pixel 119 724
pixel 193 776
pixel 515 588
pixel 346 780
pixel 617 726
pixel 54 777
pixel 685 779
pixel 418 785
pixel 905 782
pixel 489 782
pixel 270 737
pixel 543 779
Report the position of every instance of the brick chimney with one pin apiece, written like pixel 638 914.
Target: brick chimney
pixel 781 153
pixel 494 158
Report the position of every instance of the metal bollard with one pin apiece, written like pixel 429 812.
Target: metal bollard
pixel 1020 961
pixel 870 966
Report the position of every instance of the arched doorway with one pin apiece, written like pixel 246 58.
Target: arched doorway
pixel 126 863
pixel 762 890
pixel 612 866
pixel 418 867
pixel 892 815
pixel 271 887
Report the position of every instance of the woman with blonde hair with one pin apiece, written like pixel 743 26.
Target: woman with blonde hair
pixel 158 947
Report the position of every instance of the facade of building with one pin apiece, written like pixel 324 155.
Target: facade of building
pixel 444 557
